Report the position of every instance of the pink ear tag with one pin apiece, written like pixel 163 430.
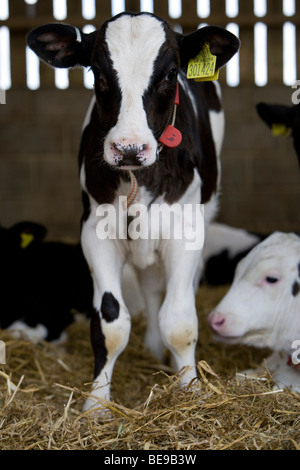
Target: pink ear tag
pixel 171 138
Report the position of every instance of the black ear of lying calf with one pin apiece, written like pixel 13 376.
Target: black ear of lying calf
pixel 274 114
pixel 286 116
pixel 20 236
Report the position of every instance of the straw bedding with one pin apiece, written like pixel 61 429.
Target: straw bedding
pixel 43 388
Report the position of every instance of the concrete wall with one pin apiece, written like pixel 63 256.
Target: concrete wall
pixel 261 174
pixel 39 139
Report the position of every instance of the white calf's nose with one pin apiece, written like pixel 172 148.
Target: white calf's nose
pixel 216 321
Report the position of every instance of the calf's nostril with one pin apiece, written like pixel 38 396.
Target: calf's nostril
pixel 131 150
pixel 216 320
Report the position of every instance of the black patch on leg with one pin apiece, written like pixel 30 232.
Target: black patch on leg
pixel 295 288
pixel 98 343
pixel 110 307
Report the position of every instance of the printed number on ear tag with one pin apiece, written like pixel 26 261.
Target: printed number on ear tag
pixel 203 66
pixel 26 239
pixel 171 137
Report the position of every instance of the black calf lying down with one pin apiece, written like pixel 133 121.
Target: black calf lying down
pixel 44 283
pixel 41 282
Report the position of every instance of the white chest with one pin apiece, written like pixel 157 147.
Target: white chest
pixel 154 225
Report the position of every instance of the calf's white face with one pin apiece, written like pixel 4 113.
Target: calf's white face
pixel 141 37
pixel 262 307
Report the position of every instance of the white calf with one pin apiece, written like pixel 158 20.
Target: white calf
pixel 262 307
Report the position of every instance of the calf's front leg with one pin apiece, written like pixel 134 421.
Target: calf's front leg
pixel 178 320
pixel 110 323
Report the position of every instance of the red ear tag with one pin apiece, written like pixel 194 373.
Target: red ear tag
pixel 171 137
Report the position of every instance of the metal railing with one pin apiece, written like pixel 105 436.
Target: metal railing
pixel 269 52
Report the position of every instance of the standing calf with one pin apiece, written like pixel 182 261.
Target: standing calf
pixel 262 307
pixel 139 64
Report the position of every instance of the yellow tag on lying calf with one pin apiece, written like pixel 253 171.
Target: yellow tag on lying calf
pixel 280 129
pixel 26 239
pixel 203 67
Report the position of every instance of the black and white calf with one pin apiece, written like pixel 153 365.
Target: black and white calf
pixel 139 64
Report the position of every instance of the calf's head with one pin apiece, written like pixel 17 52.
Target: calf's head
pixel 135 59
pixel 20 238
pixel 262 307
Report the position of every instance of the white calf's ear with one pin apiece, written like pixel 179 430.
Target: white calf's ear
pixel 61 45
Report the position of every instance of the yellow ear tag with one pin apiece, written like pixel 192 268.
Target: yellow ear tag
pixel 202 68
pixel 26 239
pixel 279 129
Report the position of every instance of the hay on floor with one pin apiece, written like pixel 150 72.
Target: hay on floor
pixel 43 388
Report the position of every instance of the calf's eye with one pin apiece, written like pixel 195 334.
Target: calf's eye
pixel 271 279
pixel 172 75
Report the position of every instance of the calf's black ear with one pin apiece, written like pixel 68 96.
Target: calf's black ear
pixel 274 114
pixel 222 43
pixel 25 233
pixel 61 45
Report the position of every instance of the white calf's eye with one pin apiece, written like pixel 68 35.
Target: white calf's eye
pixel 271 279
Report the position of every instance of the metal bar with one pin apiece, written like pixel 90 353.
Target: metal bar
pixel 273 21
